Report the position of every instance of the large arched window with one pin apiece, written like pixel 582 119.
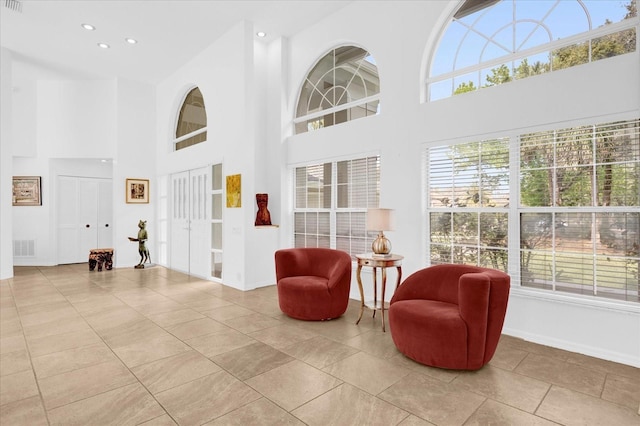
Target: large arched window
pixel 192 121
pixel 490 42
pixel 342 86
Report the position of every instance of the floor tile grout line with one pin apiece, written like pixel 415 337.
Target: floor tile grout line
pixel 33 372
pixel 137 380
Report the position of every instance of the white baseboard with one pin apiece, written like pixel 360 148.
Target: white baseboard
pixel 574 347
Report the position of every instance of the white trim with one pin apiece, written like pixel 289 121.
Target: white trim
pixel 345 157
pixel 563 344
pixel 585 322
pixel 592 302
pixel 189 135
pixel 544 48
pixel 336 108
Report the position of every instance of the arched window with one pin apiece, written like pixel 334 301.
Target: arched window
pixel 497 41
pixel 192 121
pixel 342 86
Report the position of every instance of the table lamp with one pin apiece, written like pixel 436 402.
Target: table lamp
pixel 380 220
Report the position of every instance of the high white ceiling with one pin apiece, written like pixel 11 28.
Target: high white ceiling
pixel 169 32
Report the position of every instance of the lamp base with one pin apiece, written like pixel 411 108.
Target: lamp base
pixel 381 246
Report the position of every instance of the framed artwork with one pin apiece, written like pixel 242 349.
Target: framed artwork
pixel 27 191
pixel 234 191
pixel 137 191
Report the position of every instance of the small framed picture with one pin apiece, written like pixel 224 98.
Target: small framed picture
pixel 27 191
pixel 137 191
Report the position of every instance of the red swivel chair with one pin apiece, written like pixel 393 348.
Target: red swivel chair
pixel 313 283
pixel 450 316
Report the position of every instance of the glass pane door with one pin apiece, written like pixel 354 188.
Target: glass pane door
pixel 216 221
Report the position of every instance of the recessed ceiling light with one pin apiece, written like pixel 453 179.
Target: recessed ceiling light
pixel 88 27
pixel 104 45
pixel 261 34
pixel 131 40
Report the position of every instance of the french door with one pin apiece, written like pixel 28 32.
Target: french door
pixel 190 222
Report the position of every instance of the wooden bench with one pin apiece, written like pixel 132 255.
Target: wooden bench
pixel 100 257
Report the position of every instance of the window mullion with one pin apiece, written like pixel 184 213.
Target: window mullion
pixel 334 204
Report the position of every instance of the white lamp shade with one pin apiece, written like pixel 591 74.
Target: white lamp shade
pixel 380 220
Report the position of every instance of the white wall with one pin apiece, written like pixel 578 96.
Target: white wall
pixel 135 157
pixel 396 34
pixel 65 124
pixel 69 119
pixel 35 222
pixel 227 75
pixel 76 119
pixel 6 168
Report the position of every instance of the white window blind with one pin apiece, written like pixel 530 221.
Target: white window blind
pixel 332 201
pixel 580 210
pixel 468 198
pixel 577 215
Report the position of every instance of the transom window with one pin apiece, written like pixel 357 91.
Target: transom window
pixel 192 121
pixel 331 202
pixel 496 41
pixel 574 201
pixel 342 86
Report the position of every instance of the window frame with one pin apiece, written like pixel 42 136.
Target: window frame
pixel 347 106
pixel 514 248
pixel 177 140
pixel 479 209
pixel 513 58
pixel 334 210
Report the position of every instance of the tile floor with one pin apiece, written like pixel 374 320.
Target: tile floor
pixel 156 347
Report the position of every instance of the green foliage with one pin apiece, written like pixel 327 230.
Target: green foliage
pixel 525 70
pixel 603 47
pixel 534 188
pixel 465 87
pixel 498 75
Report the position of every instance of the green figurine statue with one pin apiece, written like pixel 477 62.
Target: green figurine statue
pixel 142 246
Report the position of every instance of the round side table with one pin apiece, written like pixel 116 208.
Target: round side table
pixel 383 262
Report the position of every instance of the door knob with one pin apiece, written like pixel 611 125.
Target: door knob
pixel 106 225
pixel 87 226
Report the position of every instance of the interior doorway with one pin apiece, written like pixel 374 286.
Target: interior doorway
pixel 85 217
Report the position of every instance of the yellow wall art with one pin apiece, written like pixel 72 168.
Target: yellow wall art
pixel 234 191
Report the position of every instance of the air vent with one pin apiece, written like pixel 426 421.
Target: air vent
pixel 24 248
pixel 14 5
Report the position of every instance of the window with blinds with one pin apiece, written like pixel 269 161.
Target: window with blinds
pixel 580 210
pixel 331 201
pixel 468 198
pixel 577 217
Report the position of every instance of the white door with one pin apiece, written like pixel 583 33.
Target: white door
pixel 190 218
pixel 87 216
pixel 105 214
pixel 84 217
pixel 68 251
pixel 179 244
pixel 199 251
